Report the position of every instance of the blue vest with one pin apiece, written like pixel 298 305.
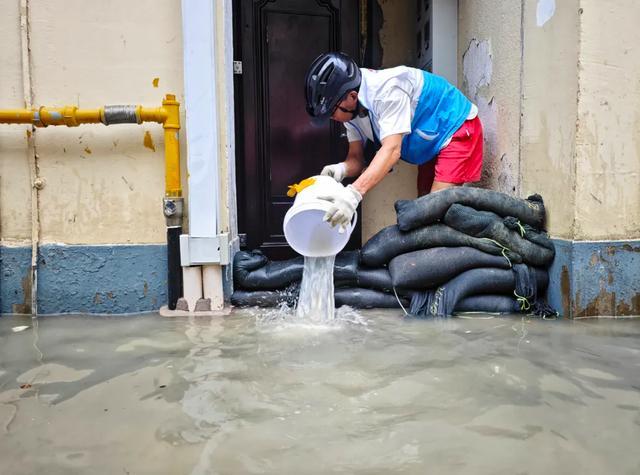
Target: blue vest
pixel 441 110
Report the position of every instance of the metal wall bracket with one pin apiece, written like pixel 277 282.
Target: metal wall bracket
pixel 204 250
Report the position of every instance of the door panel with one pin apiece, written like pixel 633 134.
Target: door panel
pixel 276 144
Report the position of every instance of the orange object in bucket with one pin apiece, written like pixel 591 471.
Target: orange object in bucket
pixel 304 228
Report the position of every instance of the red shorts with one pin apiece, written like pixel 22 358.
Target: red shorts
pixel 459 162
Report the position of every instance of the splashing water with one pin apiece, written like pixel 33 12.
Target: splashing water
pixel 315 308
pixel 317 302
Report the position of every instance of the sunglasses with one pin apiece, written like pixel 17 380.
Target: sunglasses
pixel 339 107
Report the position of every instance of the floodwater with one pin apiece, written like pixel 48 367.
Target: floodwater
pixel 373 393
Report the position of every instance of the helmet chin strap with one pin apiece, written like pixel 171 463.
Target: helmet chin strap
pixel 358 110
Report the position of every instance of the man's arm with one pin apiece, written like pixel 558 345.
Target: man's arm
pixel 354 163
pixel 384 160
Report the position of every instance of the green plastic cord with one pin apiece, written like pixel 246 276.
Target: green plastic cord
pixel 523 301
pixel 504 250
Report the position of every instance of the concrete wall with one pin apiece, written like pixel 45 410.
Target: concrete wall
pixel 557 87
pixel 608 131
pixel 490 51
pixel 15 189
pixel 549 110
pixel 397 40
pixel 103 185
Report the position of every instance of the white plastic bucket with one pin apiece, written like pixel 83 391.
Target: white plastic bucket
pixel 304 229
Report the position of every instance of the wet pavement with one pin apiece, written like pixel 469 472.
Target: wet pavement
pixel 253 393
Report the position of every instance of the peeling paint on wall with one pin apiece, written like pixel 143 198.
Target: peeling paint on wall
pixel 148 141
pixel 477 64
pixel 545 11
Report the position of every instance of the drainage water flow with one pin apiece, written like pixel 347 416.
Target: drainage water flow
pixel 316 302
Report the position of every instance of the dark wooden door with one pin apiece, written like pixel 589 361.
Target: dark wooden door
pixel 276 145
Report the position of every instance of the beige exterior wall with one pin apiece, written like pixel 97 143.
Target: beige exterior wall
pixel 608 133
pixel 103 185
pixel 557 87
pixel 549 111
pixel 397 41
pixel 521 71
pixel 489 50
pixel 15 191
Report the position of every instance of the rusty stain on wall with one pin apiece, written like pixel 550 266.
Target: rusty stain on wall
pixel 25 307
pixel 607 303
pixel 565 288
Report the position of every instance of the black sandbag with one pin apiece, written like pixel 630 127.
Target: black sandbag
pixel 353 297
pixel 391 242
pixel 345 268
pixel 430 208
pixel 488 304
pixel 540 238
pixel 266 298
pixel 252 270
pixel 442 301
pixel 367 298
pixel 429 268
pixel 378 279
pixel 485 224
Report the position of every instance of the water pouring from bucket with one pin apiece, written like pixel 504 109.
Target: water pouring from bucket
pixel 309 234
pixel 304 228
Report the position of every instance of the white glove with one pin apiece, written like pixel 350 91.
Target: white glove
pixel 337 171
pixel 344 206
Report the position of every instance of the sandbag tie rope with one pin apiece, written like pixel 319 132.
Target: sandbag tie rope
pixel 504 249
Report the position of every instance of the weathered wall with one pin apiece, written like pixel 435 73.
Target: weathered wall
pixel 397 42
pixel 519 65
pixel 15 191
pixel 101 228
pixel 489 49
pixel 103 185
pixel 566 111
pixel 549 109
pixel 608 132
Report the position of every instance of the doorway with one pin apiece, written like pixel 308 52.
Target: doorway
pixel 275 41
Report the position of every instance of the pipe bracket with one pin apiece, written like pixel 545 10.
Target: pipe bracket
pixel 173 209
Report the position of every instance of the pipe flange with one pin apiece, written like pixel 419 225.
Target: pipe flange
pixel 173 210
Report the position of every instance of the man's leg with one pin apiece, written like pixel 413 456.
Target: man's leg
pixel 426 175
pixel 442 185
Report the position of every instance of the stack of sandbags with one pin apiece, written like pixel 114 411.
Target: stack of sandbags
pixel 467 249
pixel 263 283
pixel 460 249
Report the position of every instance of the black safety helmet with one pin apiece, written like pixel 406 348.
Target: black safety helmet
pixel 329 78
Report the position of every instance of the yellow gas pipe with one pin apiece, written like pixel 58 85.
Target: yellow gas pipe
pixel 169 116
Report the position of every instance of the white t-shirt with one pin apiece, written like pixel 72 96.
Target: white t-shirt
pixel 391 97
